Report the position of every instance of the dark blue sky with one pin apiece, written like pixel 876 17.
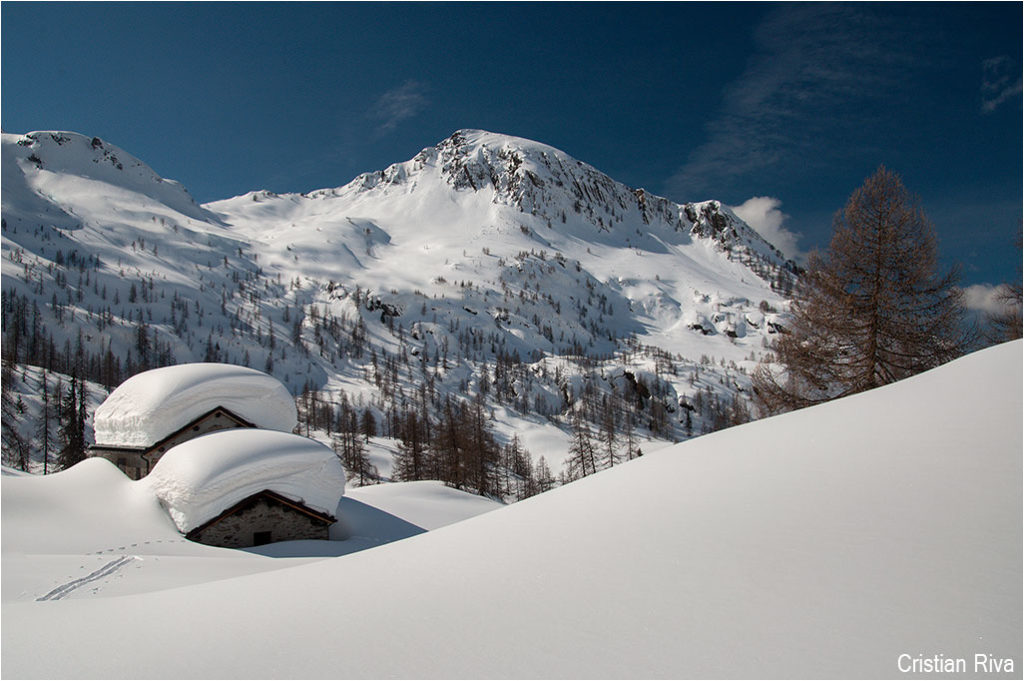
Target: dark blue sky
pixel 798 103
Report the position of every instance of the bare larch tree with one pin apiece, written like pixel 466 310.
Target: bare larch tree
pixel 871 310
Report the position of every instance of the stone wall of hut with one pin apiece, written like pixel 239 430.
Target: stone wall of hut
pixel 260 522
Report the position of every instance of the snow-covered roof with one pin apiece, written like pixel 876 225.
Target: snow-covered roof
pixel 151 405
pixel 197 480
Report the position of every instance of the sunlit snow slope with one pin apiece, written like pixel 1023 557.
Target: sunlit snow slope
pixel 821 543
pixel 487 263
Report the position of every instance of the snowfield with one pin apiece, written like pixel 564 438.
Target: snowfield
pixel 822 543
pixel 426 503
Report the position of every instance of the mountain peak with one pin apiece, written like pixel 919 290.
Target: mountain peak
pixel 501 178
pixel 495 140
pixel 541 180
pixel 41 157
pixel 71 152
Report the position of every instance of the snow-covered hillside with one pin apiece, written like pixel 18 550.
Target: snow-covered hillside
pixel 486 264
pixel 831 542
pixel 470 219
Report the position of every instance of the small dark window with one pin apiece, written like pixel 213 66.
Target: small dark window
pixel 260 538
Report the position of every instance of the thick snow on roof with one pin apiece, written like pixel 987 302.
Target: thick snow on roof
pixel 199 479
pixel 151 405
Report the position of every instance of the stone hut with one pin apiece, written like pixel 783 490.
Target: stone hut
pixel 156 410
pixel 246 487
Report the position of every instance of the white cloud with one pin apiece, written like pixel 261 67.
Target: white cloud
pixel 765 215
pixel 398 104
pixel 984 298
pixel 998 82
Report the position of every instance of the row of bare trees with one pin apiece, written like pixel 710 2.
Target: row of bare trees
pixel 460 449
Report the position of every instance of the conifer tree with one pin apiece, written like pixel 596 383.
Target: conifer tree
pixel 44 438
pixel 447 446
pixel 609 441
pixel 582 459
pixel 871 310
pixel 72 427
pixel 545 480
pixel 482 450
pixel 368 425
pixel 519 476
pixel 628 432
pixel 83 413
pixel 351 450
pixel 411 459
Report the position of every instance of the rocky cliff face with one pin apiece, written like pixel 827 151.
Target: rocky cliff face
pixel 543 182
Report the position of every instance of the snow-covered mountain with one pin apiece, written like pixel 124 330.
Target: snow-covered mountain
pixel 486 264
pixel 873 532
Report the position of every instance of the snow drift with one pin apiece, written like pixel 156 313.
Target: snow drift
pixel 153 404
pixel 89 507
pixel 198 479
pixel 822 543
pixel 62 532
pixel 428 504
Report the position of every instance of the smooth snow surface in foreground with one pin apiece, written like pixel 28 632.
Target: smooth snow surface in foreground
pixel 197 480
pixel 822 543
pixel 151 405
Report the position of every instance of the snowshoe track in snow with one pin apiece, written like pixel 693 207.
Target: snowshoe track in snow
pixel 105 571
